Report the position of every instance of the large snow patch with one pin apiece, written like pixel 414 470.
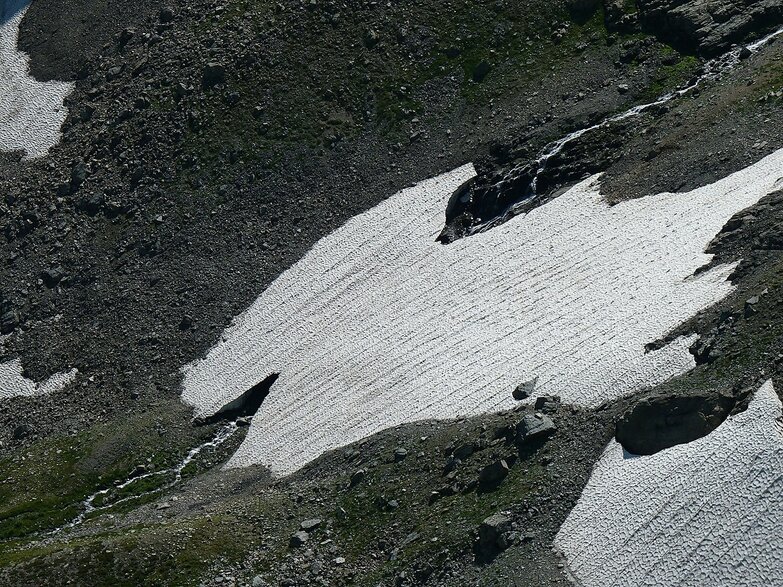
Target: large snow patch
pixel 704 513
pixel 31 112
pixel 380 325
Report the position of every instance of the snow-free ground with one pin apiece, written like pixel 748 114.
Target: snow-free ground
pixel 31 112
pixel 703 513
pixel 379 325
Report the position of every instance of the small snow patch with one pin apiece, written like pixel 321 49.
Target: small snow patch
pixel 31 112
pixel 13 382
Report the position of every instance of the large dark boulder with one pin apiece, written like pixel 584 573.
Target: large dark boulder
pixel 657 423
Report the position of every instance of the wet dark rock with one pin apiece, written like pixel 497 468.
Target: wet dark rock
pixel 657 423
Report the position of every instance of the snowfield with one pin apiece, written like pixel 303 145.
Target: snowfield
pixel 703 513
pixel 13 383
pixel 31 112
pixel 379 325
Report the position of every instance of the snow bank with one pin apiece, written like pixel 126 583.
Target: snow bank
pixel 703 513
pixel 14 383
pixel 31 112
pixel 379 325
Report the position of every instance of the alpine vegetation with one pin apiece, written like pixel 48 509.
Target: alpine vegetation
pixel 31 112
pixel 702 513
pixel 380 325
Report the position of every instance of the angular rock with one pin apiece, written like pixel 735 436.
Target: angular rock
pixel 494 473
pixel 310 525
pixel 534 426
pixel 298 539
pixel 492 537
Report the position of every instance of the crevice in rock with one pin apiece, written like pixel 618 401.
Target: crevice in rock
pixel 246 405
pixel 658 423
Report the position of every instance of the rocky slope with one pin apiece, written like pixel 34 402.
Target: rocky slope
pixel 209 145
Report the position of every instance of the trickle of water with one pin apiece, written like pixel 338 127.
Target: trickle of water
pixel 712 70
pixel 89 503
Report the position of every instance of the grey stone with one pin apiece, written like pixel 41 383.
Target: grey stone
pixel 298 539
pixel 400 454
pixel 534 426
pixel 310 525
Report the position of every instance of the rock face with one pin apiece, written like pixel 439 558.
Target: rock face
pixel 708 27
pixel 655 424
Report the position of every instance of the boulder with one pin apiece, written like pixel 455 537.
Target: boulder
pixel 492 537
pixel 534 426
pixel 493 474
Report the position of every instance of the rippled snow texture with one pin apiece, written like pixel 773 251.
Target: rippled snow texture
pixel 704 513
pixel 14 383
pixel 379 325
pixel 31 112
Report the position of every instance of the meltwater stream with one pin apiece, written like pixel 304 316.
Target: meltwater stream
pixel 89 506
pixel 712 69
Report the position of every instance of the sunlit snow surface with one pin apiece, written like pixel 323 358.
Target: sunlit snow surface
pixel 704 513
pixel 380 325
pixel 31 112
pixel 13 383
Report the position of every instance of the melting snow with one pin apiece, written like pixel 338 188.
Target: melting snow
pixel 31 112
pixel 14 383
pixel 379 325
pixel 703 513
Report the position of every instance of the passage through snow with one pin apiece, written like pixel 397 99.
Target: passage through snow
pixel 703 513
pixel 379 325
pixel 31 112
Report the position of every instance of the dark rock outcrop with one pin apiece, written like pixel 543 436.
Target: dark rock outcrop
pixel 708 27
pixel 655 424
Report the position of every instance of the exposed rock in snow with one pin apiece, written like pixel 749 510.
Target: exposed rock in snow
pixel 31 112
pixel 380 325
pixel 14 383
pixel 704 513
